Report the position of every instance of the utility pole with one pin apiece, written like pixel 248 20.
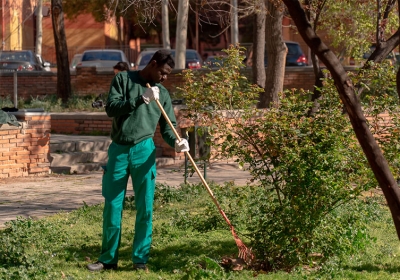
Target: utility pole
pixel 165 24
pixel 234 23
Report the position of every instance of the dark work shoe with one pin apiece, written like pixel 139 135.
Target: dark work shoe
pixel 99 266
pixel 140 267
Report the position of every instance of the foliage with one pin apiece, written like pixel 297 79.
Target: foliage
pixel 177 253
pixel 26 248
pixel 204 268
pixel 214 95
pixel 351 25
pixel 307 171
pixel 381 104
pixel 223 89
pixel 144 13
pixel 51 103
pixel 377 80
pixel 6 102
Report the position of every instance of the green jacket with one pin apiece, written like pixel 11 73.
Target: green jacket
pixel 133 120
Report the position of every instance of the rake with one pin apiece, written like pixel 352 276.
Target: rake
pixel 244 252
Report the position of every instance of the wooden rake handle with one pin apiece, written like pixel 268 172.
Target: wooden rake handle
pixel 193 162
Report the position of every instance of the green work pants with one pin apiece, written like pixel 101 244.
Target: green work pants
pixel 138 161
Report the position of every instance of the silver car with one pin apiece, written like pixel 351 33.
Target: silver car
pixel 144 58
pixel 75 60
pixel 22 60
pixel 103 59
pixel 193 58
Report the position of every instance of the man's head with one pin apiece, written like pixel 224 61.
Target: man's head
pixel 120 66
pixel 160 65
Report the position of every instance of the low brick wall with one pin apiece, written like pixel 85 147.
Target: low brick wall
pixel 81 123
pixel 100 124
pixel 89 81
pixel 25 149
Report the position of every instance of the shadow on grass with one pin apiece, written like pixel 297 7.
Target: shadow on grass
pixel 369 267
pixel 177 256
pixel 167 259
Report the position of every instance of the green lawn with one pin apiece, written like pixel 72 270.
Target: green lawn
pixel 59 247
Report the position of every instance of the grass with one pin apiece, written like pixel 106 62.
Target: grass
pixel 60 246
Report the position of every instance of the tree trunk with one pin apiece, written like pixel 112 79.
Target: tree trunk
pixel 165 25
pixel 276 54
pixel 398 70
pixel 39 28
pixel 398 82
pixel 318 74
pixel 352 104
pixel 234 23
pixel 128 31
pixel 259 45
pixel 181 34
pixel 60 41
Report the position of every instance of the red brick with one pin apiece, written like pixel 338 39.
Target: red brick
pixel 38 169
pixel 24 136
pixel 9 153
pixel 8 136
pixel 16 140
pixel 23 160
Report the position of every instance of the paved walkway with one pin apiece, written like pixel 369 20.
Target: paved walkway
pixel 40 196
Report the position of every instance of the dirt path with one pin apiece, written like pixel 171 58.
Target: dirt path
pixel 41 196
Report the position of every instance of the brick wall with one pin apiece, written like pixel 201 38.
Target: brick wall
pixel 79 123
pixel 100 124
pixel 25 149
pixel 89 81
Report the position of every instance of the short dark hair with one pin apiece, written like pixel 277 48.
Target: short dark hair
pixel 121 66
pixel 163 56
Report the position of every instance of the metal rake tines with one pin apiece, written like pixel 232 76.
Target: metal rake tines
pixel 245 253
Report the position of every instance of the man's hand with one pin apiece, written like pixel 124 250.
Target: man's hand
pixel 181 146
pixel 151 94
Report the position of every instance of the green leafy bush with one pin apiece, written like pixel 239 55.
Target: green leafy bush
pixel 204 268
pixel 51 103
pixel 380 102
pixel 25 248
pixel 5 101
pixel 307 171
pixel 376 80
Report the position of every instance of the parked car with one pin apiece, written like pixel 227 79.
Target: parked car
pixel 193 59
pixel 46 65
pixel 102 58
pixel 294 57
pixel 397 56
pixel 214 61
pixel 144 58
pixel 75 60
pixel 391 57
pixel 22 60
